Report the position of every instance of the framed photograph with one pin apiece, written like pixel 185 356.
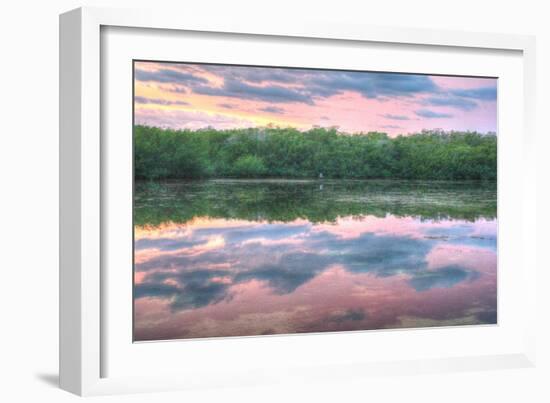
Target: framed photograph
pixel 246 203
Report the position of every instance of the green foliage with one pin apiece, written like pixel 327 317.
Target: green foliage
pixel 249 166
pixel 290 153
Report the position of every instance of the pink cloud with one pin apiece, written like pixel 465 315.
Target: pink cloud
pixel 361 102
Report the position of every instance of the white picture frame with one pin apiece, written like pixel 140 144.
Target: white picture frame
pixel 83 173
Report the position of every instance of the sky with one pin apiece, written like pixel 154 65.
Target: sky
pixel 195 96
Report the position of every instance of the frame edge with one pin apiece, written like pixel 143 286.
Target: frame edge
pixel 70 315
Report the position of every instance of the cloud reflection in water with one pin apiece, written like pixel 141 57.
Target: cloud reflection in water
pixel 231 277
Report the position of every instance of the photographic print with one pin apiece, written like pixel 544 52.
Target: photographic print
pixel 274 200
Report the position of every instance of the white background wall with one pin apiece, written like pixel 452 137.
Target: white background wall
pixel 29 187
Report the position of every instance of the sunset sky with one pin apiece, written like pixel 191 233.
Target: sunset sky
pixel 194 96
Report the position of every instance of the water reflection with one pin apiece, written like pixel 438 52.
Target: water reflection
pixel 227 258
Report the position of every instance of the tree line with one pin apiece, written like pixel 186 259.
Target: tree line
pixel 291 153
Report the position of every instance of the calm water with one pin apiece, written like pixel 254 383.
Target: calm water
pixel 234 258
